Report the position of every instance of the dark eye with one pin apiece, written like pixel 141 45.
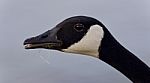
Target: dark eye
pixel 79 27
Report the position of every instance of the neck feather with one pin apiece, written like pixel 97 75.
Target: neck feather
pixel 124 61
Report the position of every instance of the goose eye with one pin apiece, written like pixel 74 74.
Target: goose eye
pixel 79 27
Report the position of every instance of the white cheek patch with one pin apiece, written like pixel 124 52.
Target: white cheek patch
pixel 89 44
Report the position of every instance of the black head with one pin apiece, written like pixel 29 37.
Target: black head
pixel 65 34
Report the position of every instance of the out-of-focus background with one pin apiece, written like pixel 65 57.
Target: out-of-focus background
pixel 127 20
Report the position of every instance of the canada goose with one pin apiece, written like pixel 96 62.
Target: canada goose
pixel 88 36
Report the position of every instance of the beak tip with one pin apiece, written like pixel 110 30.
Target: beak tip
pixel 27 41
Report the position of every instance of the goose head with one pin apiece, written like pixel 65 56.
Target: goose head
pixel 79 34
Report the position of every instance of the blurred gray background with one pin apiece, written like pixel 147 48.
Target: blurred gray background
pixel 127 20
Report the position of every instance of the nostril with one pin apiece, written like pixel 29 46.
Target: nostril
pixel 44 36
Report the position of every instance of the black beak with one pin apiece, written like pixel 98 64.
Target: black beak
pixel 47 40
